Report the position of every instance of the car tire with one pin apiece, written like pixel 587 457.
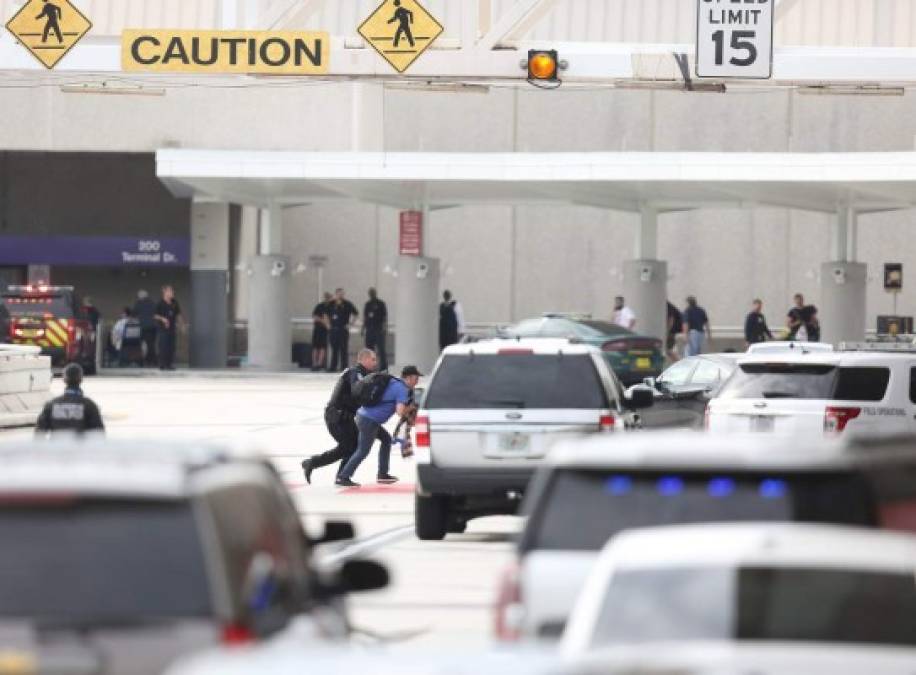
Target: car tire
pixel 430 517
pixel 457 526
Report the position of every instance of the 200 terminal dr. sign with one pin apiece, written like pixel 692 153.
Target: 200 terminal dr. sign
pixel 191 51
pixel 735 39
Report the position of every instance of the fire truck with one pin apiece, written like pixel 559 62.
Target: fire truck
pixel 53 318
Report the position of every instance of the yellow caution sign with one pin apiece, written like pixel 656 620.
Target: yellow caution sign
pixel 195 51
pixel 400 30
pixel 48 28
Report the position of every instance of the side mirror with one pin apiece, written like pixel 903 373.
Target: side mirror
pixel 651 382
pixel 336 530
pixel 639 398
pixel 363 575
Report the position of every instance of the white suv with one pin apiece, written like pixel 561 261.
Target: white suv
pixel 864 391
pixel 490 414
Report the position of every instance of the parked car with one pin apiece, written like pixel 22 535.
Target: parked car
pixel 121 557
pixel 684 389
pixel 490 414
pixel 590 490
pixel 762 584
pixel 632 357
pixel 865 390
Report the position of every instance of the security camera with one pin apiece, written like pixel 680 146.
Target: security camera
pixel 278 268
pixel 839 275
pixel 422 270
pixel 645 274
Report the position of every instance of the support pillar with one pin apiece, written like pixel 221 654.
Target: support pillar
pixel 842 313
pixel 270 331
pixel 209 320
pixel 645 279
pixel 417 321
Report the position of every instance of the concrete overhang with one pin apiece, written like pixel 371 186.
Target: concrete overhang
pixel 626 181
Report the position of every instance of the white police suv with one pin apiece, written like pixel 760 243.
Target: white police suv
pixel 865 388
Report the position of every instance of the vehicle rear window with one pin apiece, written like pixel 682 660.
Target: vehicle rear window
pixel 98 560
pixel 581 509
pixel 757 603
pixel 516 381
pixel 57 305
pixel 807 381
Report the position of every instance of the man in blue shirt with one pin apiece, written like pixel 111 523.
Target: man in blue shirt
pixel 696 327
pixel 370 421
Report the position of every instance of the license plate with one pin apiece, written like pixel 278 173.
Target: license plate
pixel 513 442
pixel 644 363
pixel 762 424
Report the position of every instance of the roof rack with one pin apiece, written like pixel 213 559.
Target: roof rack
pixel 901 346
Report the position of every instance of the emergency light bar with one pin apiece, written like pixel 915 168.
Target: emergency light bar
pixel 904 347
pixel 38 288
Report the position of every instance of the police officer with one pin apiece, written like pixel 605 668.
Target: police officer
pixel 341 313
pixel 375 319
pixel 339 416
pixel 71 412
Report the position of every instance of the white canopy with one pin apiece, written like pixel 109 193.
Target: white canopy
pixel 826 182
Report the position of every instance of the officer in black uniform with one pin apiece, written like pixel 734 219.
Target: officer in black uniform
pixel 71 412
pixel 375 318
pixel 341 313
pixel 339 416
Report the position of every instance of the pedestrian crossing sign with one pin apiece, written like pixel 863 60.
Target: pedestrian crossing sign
pixel 400 30
pixel 48 29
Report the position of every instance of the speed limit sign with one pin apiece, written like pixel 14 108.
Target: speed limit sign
pixel 735 38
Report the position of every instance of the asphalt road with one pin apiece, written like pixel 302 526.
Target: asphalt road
pixel 442 592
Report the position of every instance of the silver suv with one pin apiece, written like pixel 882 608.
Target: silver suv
pixel 120 558
pixel 490 414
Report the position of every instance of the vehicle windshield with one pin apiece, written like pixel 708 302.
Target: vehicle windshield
pixel 807 381
pixel 84 561
pixel 618 501
pixel 516 381
pixel 38 305
pixel 786 604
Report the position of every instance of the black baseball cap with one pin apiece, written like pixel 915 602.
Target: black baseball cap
pixel 407 371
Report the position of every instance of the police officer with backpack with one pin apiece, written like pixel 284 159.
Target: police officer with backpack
pixel 339 413
pixel 382 396
pixel 73 411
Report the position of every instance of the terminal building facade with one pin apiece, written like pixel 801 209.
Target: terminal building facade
pixel 77 163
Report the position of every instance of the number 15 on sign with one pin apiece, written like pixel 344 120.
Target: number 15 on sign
pixel 735 38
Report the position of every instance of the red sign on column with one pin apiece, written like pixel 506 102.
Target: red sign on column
pixel 411 239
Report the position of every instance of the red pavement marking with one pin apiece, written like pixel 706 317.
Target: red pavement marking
pixel 369 489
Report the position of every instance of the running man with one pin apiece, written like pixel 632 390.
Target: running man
pixel 52 15
pixel 404 17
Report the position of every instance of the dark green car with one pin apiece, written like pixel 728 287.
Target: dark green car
pixel 632 357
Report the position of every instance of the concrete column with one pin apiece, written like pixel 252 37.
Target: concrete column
pixel 417 321
pixel 839 241
pixel 842 310
pixel 645 279
pixel 270 334
pixel 271 230
pixel 209 321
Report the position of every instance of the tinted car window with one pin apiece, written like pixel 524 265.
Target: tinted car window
pixel 862 384
pixel 756 603
pixel 527 327
pixel 781 380
pixel 619 501
pixel 516 381
pixel 98 560
pixel 607 328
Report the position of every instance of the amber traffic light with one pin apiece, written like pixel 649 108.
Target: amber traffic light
pixel 543 65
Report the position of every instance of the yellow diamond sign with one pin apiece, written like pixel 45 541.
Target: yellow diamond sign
pixel 48 28
pixel 400 30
